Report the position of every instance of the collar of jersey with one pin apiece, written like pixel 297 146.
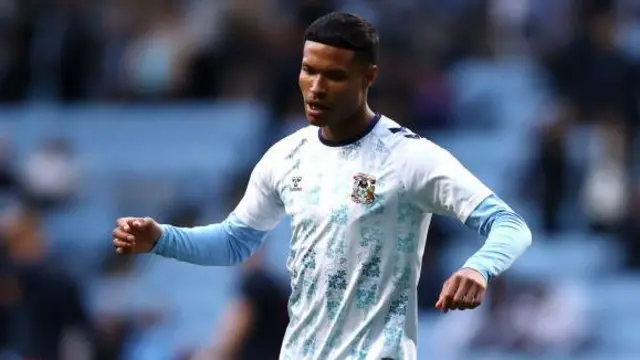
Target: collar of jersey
pixel 352 140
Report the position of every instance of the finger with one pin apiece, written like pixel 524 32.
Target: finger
pixel 122 250
pixel 472 302
pixel 440 302
pixel 122 244
pixel 125 223
pixel 448 293
pixel 462 294
pixel 469 299
pixel 142 223
pixel 123 235
pixel 122 223
pixel 479 297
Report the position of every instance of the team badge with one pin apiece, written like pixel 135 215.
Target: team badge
pixel 364 188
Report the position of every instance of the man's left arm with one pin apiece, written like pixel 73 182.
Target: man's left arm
pixel 440 184
pixel 507 237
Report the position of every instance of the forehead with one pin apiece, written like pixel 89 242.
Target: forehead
pixel 326 56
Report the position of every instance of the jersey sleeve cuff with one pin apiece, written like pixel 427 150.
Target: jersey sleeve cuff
pixel 483 271
pixel 160 245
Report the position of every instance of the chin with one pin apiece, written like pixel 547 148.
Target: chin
pixel 316 121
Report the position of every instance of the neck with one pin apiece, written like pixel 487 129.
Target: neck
pixel 351 127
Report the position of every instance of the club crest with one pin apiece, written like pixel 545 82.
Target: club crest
pixel 364 188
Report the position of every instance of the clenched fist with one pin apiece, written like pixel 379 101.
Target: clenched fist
pixel 136 235
pixel 464 290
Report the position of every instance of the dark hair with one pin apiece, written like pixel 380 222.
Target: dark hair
pixel 346 31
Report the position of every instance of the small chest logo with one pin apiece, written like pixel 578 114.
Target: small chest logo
pixel 295 183
pixel 364 188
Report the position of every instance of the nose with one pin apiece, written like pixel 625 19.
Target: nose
pixel 317 87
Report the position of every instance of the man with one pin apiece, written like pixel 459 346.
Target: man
pixel 361 191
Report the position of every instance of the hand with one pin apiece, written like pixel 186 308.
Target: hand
pixel 136 235
pixel 464 290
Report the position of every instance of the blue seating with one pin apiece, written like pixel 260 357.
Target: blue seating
pixel 142 139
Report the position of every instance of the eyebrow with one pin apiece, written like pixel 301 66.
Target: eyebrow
pixel 330 70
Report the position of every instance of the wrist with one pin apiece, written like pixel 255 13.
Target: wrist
pixel 158 245
pixel 479 270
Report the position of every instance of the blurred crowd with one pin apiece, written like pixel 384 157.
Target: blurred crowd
pixel 72 52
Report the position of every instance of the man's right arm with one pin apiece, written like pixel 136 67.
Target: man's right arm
pixel 227 243
pixel 236 238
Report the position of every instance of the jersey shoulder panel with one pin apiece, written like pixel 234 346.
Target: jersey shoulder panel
pixel 289 146
pixel 410 151
pixel 401 140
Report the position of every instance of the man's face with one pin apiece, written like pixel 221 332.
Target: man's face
pixel 332 82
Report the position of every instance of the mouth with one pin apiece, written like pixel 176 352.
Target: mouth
pixel 315 108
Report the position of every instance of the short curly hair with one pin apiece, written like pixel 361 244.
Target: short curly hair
pixel 346 31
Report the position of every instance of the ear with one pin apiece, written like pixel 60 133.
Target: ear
pixel 370 75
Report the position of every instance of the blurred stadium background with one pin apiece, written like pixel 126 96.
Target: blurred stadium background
pixel 113 108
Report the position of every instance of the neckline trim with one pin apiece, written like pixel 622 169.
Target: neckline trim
pixel 338 143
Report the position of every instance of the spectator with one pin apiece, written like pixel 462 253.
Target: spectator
pixel 8 181
pixel 551 318
pixel 16 36
pixel 43 301
pixel 255 323
pixel 630 234
pixel 431 275
pixel 156 62
pixel 51 176
pixel 594 83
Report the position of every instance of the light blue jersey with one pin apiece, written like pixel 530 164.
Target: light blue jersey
pixel 360 215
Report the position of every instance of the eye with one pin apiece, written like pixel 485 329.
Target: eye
pixel 308 70
pixel 337 75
